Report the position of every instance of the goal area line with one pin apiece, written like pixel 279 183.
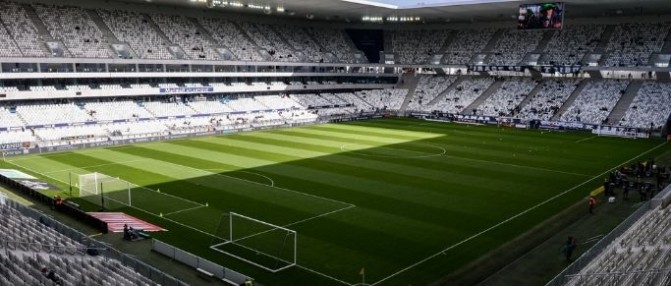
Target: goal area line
pixel 267 227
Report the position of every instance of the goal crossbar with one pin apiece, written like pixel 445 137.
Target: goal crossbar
pixel 235 241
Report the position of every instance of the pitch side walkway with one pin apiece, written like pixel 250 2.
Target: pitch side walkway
pixel 138 249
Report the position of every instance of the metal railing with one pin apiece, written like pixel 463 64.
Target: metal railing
pixel 198 262
pixel 586 258
pixel 104 250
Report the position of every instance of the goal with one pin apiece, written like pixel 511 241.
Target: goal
pixel 109 192
pixel 265 245
pixel 113 193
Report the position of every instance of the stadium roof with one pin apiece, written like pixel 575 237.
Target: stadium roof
pixel 413 4
pixel 428 10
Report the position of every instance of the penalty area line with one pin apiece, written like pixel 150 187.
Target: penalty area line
pixel 272 182
pixel 184 210
pixel 266 185
pixel 348 206
pixel 442 252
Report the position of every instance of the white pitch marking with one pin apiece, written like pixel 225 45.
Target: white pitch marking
pixel 520 166
pixel 586 139
pixel 509 219
pixel 343 148
pixel 94 166
pixel 272 182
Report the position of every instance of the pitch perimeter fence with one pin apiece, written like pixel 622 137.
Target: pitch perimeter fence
pixel 104 250
pixel 586 258
pixel 197 262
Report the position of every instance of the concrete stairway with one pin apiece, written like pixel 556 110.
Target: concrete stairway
pixel 666 49
pixel 204 32
pixel 388 42
pixel 605 39
pixel 273 29
pixel 408 81
pixel 531 95
pixel 448 41
pixel 107 33
pixel 547 37
pixel 41 28
pixel 478 101
pixel 493 41
pixel 442 95
pixel 244 34
pixel 569 101
pixel 158 30
pixel 623 104
pixel 43 31
pixel 312 37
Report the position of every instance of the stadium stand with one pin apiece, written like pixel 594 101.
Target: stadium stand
pixel 22 29
pixel 335 41
pixel 546 103
pixel 50 114
pixel 390 99
pixel 302 42
pixel 428 88
pixel 651 106
pixel 513 46
pixel 633 43
pixel 466 43
pixel 32 250
pixel 184 32
pixel 266 38
pixel 406 50
pixel 596 101
pixel 508 97
pixel 134 29
pixel 8 47
pixel 570 45
pixel 79 34
pixel 637 257
pixel 227 34
pixel 463 95
pixel 116 106
pixel 9 119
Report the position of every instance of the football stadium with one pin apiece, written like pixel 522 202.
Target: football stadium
pixel 335 142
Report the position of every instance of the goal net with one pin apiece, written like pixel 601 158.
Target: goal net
pixel 107 191
pixel 259 243
pixel 114 193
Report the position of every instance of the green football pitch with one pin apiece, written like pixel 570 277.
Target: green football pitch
pixel 407 201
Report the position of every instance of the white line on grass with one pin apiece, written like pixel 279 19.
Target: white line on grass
pixel 142 210
pixel 184 210
pixel 131 184
pixel 43 174
pixel 442 252
pixel 272 183
pixel 94 166
pixel 348 206
pixel 520 166
pixel 586 139
pixel 343 148
pixel 53 154
pixel 265 185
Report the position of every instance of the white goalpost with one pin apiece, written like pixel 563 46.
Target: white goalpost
pixel 114 193
pixel 265 245
pixel 104 189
